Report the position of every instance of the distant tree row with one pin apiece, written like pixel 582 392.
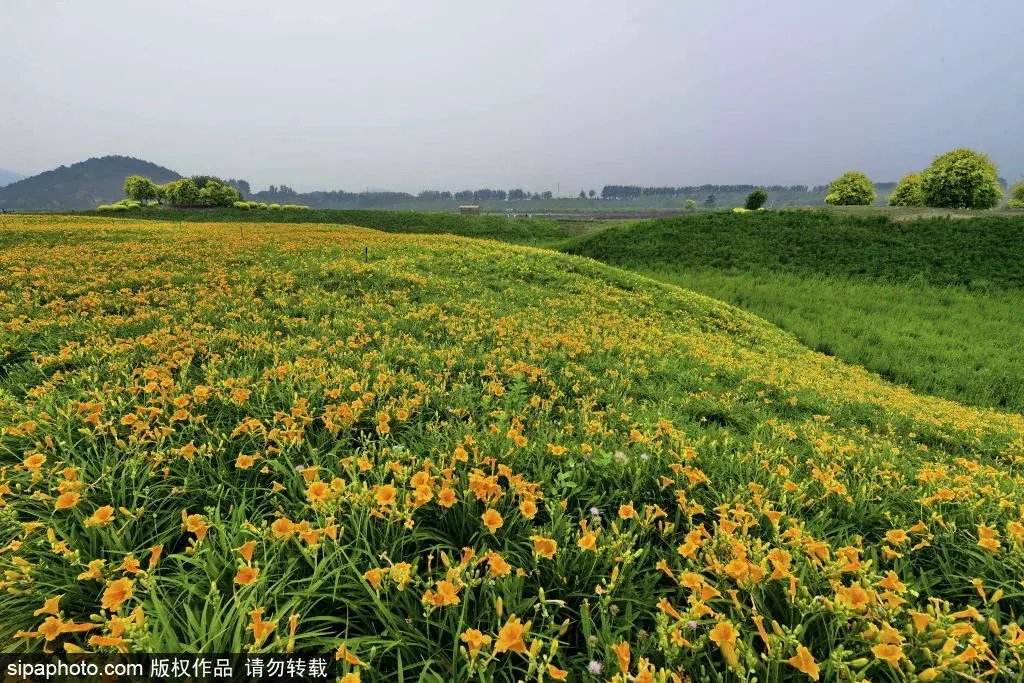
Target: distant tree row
pixel 195 191
pixel 961 179
pixel 637 191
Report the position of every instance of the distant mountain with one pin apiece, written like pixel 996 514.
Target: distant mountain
pixel 80 186
pixel 7 177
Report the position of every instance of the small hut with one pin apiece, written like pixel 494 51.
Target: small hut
pixel 469 209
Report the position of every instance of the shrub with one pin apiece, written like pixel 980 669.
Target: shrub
pixel 850 189
pixel 295 206
pixel 213 192
pixel 907 191
pixel 241 205
pixel 690 205
pixel 1017 196
pixel 961 179
pixel 740 209
pixel 755 200
pixel 105 207
pixel 182 192
pixel 275 206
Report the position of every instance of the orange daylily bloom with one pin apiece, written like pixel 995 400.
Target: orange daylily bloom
pixel 475 641
pixel 116 594
pixel 724 635
pixel 68 499
pixel 246 575
pixel 510 636
pixel 803 661
pixel 492 520
pixel 544 546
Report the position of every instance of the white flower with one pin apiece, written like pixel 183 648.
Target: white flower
pixel 594 667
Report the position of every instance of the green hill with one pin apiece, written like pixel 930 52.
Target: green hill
pixel 981 251
pixel 84 185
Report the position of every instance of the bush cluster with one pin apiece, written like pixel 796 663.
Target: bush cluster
pixel 194 191
pixel 1016 196
pixel 755 200
pixel 246 206
pixel 123 205
pixel 851 189
pixel 907 191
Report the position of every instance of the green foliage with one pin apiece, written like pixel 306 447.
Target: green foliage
pixel 201 191
pixel 908 191
pixel 690 205
pixel 755 200
pixel 961 179
pixel 218 194
pixel 937 251
pixel 1016 196
pixel 295 207
pixel 245 206
pixel 140 189
pixel 123 205
pixel 275 206
pixel 182 193
pixel 851 189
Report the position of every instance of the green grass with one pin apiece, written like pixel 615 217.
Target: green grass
pixel 983 252
pixel 947 341
pixel 933 303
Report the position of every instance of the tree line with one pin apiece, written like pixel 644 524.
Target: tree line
pixel 637 191
pixel 960 179
pixel 199 190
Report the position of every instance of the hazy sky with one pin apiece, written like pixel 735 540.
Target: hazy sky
pixel 411 95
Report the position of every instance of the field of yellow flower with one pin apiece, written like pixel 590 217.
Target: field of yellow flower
pixel 458 459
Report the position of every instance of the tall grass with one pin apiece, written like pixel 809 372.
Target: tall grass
pixel 962 344
pixel 935 304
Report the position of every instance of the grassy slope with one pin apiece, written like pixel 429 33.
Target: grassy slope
pixel 983 251
pixel 534 231
pixel 126 344
pixel 935 304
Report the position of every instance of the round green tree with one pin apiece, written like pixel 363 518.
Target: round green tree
pixel 907 191
pixel 1017 196
pixel 690 205
pixel 851 189
pixel 140 189
pixel 961 179
pixel 182 193
pixel 755 200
